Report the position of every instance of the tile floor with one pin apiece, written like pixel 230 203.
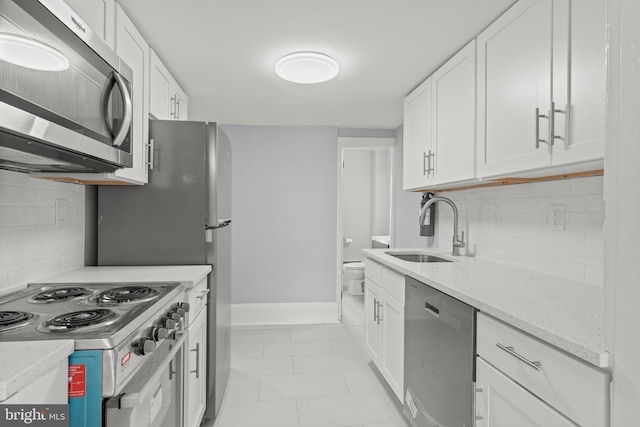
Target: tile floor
pixel 307 376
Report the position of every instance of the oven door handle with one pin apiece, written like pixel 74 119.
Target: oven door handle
pixel 133 400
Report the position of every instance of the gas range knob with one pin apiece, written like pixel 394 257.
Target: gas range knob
pixel 159 333
pixel 182 312
pixel 185 306
pixel 176 317
pixel 145 346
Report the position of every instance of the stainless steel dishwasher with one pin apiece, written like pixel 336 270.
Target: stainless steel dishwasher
pixel 438 358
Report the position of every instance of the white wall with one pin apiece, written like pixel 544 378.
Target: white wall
pixel 357 202
pixel 509 224
pixel 381 192
pixel 622 191
pixel 32 246
pixel 284 214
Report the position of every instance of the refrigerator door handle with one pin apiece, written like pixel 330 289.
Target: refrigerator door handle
pixel 221 223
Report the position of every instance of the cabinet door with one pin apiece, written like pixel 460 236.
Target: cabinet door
pixel 134 50
pixel 501 402
pixel 392 323
pixel 373 337
pixel 196 375
pixel 417 137
pixel 99 15
pixel 579 80
pixel 514 78
pixel 454 118
pixel 160 82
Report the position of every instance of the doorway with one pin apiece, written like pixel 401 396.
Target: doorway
pixel 365 198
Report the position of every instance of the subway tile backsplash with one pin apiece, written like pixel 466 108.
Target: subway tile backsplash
pixel 32 245
pixel 510 224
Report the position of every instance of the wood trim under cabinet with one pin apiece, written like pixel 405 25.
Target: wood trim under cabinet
pixel 511 181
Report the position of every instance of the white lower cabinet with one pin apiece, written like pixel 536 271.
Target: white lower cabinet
pixel 501 402
pixel 196 374
pixel 384 325
pixel 195 367
pixel 521 381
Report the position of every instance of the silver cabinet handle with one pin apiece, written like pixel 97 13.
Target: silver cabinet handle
pixel 127 114
pixel 375 310
pixel 203 294
pixel 552 123
pixel 172 113
pixel 379 318
pixel 538 139
pixel 424 163
pixel 432 167
pixel 197 350
pixel 177 108
pixel 151 146
pixel 509 349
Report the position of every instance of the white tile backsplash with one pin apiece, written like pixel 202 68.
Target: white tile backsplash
pixel 509 224
pixel 32 245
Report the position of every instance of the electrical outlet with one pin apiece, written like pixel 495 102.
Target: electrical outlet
pixel 556 217
pixel 62 211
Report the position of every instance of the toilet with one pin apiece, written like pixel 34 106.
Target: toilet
pixel 353 277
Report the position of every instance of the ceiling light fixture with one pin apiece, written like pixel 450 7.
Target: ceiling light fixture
pixel 30 53
pixel 307 67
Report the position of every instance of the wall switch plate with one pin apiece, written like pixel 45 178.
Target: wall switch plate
pixel 556 217
pixel 62 211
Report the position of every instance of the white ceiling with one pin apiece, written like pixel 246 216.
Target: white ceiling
pixel 222 52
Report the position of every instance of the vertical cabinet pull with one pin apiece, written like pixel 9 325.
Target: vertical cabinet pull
pixel 197 350
pixel 379 305
pixel 552 123
pixel 425 171
pixel 538 139
pixel 375 310
pixel 151 146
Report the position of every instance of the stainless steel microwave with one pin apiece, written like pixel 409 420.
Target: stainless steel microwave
pixel 65 96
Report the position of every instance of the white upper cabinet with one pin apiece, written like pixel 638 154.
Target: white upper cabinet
pixel 542 62
pixel 454 117
pixel 417 137
pixel 514 79
pixel 99 15
pixel 134 51
pixel 439 125
pixel 579 85
pixel 167 100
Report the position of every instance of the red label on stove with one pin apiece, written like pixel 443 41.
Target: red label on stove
pixel 125 359
pixel 77 380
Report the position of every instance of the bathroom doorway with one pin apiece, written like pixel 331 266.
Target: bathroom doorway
pixel 365 196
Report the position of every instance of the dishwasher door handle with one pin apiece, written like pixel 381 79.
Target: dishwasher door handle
pixel 431 309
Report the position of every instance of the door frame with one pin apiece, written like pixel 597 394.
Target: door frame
pixel 359 143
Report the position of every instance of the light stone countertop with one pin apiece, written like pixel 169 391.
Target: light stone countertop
pixel 190 275
pixel 563 312
pixel 24 361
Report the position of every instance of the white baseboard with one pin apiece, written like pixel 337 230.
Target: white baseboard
pixel 284 313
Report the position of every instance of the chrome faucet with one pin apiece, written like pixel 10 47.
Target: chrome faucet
pixel 457 244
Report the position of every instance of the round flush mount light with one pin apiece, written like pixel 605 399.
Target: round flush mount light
pixel 30 53
pixel 307 67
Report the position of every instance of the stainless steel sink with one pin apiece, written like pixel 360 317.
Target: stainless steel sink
pixel 417 257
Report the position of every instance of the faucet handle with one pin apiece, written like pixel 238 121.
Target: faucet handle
pixel 460 243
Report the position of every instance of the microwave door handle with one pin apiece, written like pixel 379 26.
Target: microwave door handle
pixel 128 111
pixel 106 91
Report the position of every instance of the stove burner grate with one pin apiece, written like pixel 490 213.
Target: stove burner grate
pixel 14 318
pixel 78 319
pixel 60 294
pixel 126 294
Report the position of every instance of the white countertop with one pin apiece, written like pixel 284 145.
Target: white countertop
pixel 23 362
pixel 189 274
pixel 563 312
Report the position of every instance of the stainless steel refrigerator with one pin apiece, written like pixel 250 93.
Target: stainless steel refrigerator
pixel 181 217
